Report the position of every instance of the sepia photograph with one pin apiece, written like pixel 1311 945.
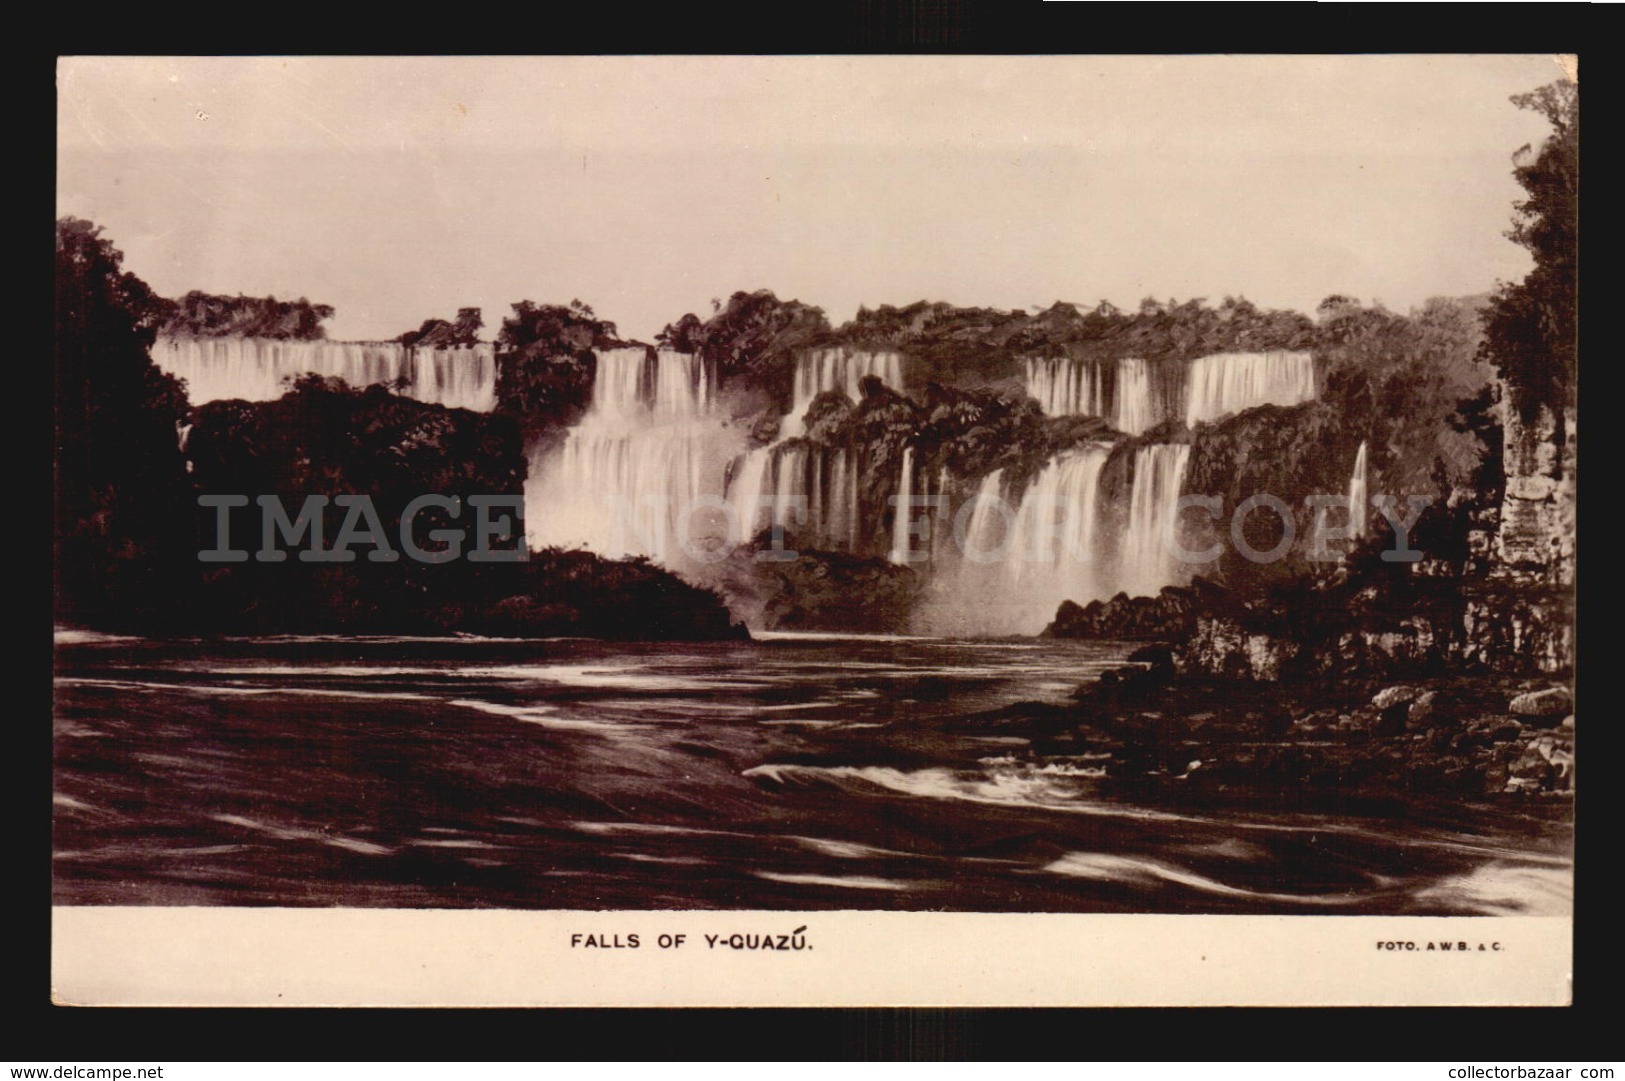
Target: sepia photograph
pixel 763 513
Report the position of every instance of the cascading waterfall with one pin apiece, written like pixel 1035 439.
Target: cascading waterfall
pixel 1357 494
pixel 746 486
pixel 259 369
pixel 1119 391
pixel 1053 541
pixel 1230 382
pixel 1013 563
pixel 1148 560
pixel 1064 386
pixel 1135 411
pixel 836 369
pixel 983 540
pixel 903 513
pixel 629 477
pixel 761 472
pixel 653 442
pixel 790 470
pixel 640 473
pixel 769 482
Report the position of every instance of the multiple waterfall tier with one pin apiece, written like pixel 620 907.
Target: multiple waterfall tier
pixel 260 369
pixel 768 478
pixel 657 468
pixel 641 473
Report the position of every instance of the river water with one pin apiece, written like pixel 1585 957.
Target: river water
pixel 792 772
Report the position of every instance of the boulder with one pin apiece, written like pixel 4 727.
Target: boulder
pixel 1545 764
pixel 1551 704
pixel 1423 712
pixel 1389 697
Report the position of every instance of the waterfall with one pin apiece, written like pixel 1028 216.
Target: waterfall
pixel 836 369
pixel 759 473
pixel 790 473
pixel 747 482
pixel 1148 562
pixel 1012 566
pixel 766 480
pixel 655 440
pixel 1226 383
pixel 259 369
pixel 1119 391
pixel 1064 386
pixel 982 542
pixel 1357 494
pixel 1134 411
pixel 900 519
pixel 1052 546
pixel 841 518
pixel 630 475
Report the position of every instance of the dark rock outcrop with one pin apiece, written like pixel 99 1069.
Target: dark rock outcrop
pixel 1169 616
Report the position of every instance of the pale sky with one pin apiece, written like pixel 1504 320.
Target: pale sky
pixel 401 189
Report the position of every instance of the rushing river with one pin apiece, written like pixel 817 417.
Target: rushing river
pixel 793 772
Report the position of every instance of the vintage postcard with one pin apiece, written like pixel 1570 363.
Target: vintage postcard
pixel 820 530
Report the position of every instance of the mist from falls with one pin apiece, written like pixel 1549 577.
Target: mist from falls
pixel 261 369
pixel 1006 559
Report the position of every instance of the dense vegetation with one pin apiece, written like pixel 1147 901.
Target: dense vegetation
pixel 954 343
pixel 546 364
pixel 123 517
pixel 439 334
pixel 204 315
pixel 1531 326
pixel 754 338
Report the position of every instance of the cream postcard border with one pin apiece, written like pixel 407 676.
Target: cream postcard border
pixel 150 956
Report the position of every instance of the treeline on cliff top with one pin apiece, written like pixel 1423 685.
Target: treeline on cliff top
pixel 206 315
pixel 755 331
pixel 129 530
pixel 440 334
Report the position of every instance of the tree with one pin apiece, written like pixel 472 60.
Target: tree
pixel 1530 327
pixel 1336 307
pixel 546 364
pixel 203 315
pixel 439 334
pixel 124 522
pixel 752 333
